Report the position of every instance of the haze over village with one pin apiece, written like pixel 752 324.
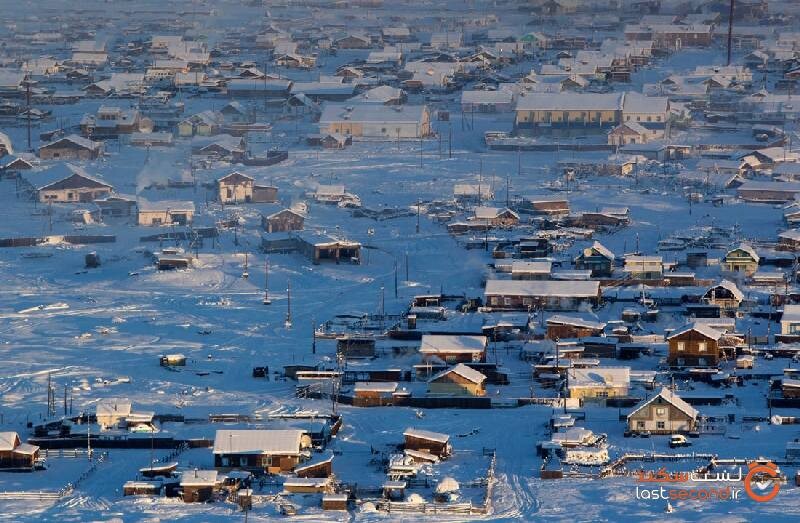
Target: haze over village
pixel 358 260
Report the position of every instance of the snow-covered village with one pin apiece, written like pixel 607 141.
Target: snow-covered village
pixel 360 260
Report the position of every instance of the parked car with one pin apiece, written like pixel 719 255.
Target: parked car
pixel 678 440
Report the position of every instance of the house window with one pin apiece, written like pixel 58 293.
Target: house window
pixel 527 302
pixel 649 118
pixel 242 461
pixel 225 461
pixel 661 425
pixel 660 411
pixel 507 301
pixel 601 394
pixel 640 424
pixel 701 346
pixel 638 118
pixel 681 346
pixel 266 461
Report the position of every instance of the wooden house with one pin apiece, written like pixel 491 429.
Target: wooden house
pixel 14 454
pixel 644 267
pixel 664 413
pixel 322 247
pixel 71 147
pixel 628 133
pixel 142 488
pixel 789 240
pixel 790 322
pixel 695 345
pixel 725 294
pixel 526 295
pixel 374 394
pixel 741 260
pixel 316 468
pixel 283 221
pixel 65 183
pixel 453 348
pixel 353 346
pixel 568 112
pixel 531 270
pixel 564 327
pixel 111 413
pixel 271 451
pixel 353 41
pixel 598 383
pixel 495 217
pixel 460 380
pixel 198 485
pixel 596 258
pixel 370 120
pixel 307 485
pixel 433 443
pixel 165 212
pixel 335 502
pixel 116 205
pixel 240 188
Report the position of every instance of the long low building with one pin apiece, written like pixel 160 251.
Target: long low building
pixel 768 192
pixel 544 112
pixel 536 294
pixel 369 120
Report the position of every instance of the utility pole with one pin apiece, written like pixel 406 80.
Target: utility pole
pixel 407 266
pixel 28 109
pixel 288 322
pixel 418 204
pixel 267 301
pixel 730 31
pixel 508 201
pixel 395 278
pixel 313 336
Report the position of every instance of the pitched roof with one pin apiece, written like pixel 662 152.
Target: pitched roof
pixel 267 442
pixel 558 319
pixel 80 141
pixel 671 398
pixel 705 330
pixel 8 441
pixel 426 434
pixel 464 371
pixel 236 177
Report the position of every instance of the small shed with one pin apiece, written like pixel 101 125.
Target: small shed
pixel 334 502
pixel 141 488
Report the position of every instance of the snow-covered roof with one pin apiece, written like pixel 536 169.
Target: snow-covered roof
pixel 791 314
pixel 165 205
pixel 558 319
pixel 113 407
pixel 559 288
pixel 671 398
pixel 375 386
pixel 8 441
pixel 705 330
pixel 371 113
pixel 599 377
pixel 570 102
pixel 442 343
pixel 426 434
pixel 266 442
pixel 198 478
pixel 464 371
pixel 731 287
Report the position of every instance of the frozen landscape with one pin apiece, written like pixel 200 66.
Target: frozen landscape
pixel 357 260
